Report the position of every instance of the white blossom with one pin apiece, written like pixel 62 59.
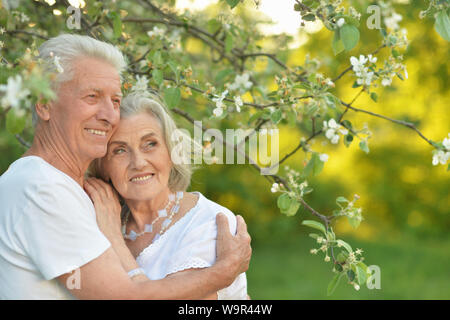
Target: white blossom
pixel 440 157
pixel 323 157
pixel 141 84
pixel 156 32
pixel 446 142
pixel 241 82
pixel 13 92
pixel 386 82
pixel 392 21
pixel 218 112
pixel 372 59
pixel 58 66
pixel 275 188
pixel 332 130
pixel 340 22
pixel 238 103
pixel 358 64
pixel 364 75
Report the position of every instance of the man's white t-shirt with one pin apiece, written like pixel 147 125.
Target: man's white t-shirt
pixel 47 228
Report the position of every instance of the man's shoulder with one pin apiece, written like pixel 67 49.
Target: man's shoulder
pixel 31 170
pixel 32 176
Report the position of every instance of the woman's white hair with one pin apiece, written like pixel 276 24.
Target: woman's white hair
pixel 70 47
pixel 178 141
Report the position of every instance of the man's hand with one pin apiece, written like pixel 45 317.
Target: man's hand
pixel 233 252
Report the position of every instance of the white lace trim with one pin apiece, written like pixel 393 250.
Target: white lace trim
pixel 193 262
pixel 142 257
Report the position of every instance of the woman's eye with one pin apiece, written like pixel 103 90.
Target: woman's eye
pixel 150 144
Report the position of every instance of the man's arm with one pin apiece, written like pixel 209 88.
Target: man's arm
pixel 106 276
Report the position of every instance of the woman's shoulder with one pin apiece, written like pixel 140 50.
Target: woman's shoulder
pixel 207 210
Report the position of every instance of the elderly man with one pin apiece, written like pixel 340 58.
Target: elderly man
pixel 50 244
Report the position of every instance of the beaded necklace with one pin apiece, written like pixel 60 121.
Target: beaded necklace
pixel 148 228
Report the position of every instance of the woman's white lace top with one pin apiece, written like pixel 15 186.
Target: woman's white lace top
pixel 191 243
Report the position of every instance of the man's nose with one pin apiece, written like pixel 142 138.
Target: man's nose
pixel 108 112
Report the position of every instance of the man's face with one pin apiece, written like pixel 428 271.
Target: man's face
pixel 87 109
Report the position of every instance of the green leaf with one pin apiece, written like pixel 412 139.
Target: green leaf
pixel 275 117
pixel 157 75
pixel 337 44
pixel 283 202
pixel 309 17
pixel 173 66
pixel 349 36
pixel 314 224
pixel 345 245
pixel 341 199
pixel 354 222
pixel 314 235
pixel 364 147
pixel 14 123
pixel 172 96
pixel 333 283
pixel 233 3
pixel 157 58
pixel 223 74
pixel 361 275
pixel 293 208
pixel 117 23
pixel 442 25
pixel 255 116
pixel 374 96
pixel 351 275
pixel 291 116
pixel 213 25
pixel 287 205
pixel 348 139
pixel 342 256
pixel 228 42
pixel 314 166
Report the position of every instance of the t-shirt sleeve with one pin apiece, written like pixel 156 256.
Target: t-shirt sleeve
pixel 58 229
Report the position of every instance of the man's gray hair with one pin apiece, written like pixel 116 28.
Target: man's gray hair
pixel 67 48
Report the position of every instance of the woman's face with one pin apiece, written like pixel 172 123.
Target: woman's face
pixel 138 161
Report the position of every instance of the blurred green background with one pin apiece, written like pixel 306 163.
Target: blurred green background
pixel 405 200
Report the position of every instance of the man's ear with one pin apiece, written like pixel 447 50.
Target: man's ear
pixel 43 110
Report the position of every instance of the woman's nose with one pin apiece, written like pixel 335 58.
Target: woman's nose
pixel 138 160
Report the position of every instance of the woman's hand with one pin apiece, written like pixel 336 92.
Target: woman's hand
pixel 107 207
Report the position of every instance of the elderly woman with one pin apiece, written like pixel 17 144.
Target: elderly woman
pixel 166 228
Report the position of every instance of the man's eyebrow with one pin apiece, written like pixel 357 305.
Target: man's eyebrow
pixel 98 90
pixel 116 142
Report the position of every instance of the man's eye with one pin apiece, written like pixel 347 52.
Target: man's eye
pixel 119 151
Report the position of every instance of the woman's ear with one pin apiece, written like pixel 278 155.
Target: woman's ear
pixel 43 111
